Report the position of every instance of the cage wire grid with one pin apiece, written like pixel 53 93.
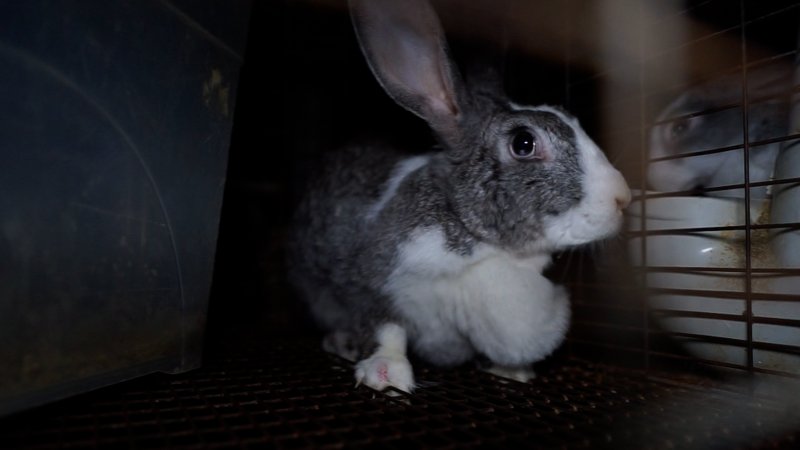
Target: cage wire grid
pixel 292 395
pixel 619 382
pixel 631 328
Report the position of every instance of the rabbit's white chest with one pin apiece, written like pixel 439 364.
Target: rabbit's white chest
pixel 488 301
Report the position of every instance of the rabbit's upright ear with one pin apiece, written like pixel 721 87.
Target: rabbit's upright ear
pixel 405 47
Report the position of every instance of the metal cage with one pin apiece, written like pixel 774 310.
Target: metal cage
pixel 711 275
pixel 661 354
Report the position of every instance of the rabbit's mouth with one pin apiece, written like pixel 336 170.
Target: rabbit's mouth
pixel 578 227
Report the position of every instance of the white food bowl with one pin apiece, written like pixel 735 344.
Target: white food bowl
pixel 680 259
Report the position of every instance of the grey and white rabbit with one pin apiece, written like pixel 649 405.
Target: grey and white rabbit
pixel 443 252
pixel 709 116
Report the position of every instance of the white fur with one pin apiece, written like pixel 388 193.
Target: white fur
pixel 489 301
pixel 521 374
pixel 388 366
pixel 605 194
pixel 401 170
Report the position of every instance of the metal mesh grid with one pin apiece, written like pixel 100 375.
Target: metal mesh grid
pixel 291 395
pixel 716 39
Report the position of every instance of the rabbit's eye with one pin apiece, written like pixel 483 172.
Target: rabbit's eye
pixel 678 128
pixel 681 128
pixel 524 145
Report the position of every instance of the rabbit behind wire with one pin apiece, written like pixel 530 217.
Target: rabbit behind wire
pixel 709 116
pixel 443 252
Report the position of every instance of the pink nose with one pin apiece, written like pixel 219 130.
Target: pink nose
pixel 623 199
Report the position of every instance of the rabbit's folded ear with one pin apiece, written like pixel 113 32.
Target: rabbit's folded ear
pixel 405 47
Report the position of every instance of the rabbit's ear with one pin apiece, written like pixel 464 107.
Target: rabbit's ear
pixel 405 47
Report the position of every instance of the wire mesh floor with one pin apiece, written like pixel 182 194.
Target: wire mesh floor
pixel 292 395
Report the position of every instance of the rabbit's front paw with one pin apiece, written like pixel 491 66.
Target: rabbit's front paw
pixel 382 371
